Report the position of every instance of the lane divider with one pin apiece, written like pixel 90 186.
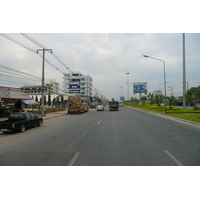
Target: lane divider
pixel 73 159
pixel 173 158
pixel 99 122
pixel 133 121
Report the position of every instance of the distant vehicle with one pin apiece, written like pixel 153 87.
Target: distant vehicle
pixel 100 107
pixel 92 105
pixel 120 105
pixel 77 104
pixel 20 121
pixel 197 107
pixel 113 105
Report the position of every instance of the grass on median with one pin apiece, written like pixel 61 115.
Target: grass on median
pixel 191 115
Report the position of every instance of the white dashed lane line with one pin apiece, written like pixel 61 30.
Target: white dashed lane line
pixel 173 158
pixel 133 121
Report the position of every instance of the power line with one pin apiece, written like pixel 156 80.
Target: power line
pixel 16 42
pixel 34 41
pixel 42 46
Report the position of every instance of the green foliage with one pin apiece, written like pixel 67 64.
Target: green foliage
pixel 191 115
pixel 143 99
pixel 151 98
pixel 193 95
pixel 49 100
pixel 171 100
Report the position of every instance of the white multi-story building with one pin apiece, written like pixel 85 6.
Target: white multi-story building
pixel 83 89
pixel 52 88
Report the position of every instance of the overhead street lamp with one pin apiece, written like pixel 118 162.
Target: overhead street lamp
pixel 146 56
pixel 128 85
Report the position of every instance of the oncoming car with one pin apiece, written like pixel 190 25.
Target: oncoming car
pixel 100 107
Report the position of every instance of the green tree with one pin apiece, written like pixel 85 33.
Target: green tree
pixel 151 97
pixel 62 99
pixel 171 100
pixel 159 99
pixel 49 100
pixel 36 98
pixel 54 101
pixel 45 100
pixel 193 95
pixel 143 99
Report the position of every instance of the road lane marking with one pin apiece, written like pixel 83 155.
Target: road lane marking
pixel 173 158
pixel 99 122
pixel 73 159
pixel 133 120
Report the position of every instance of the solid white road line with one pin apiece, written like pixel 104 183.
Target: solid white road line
pixel 73 159
pixel 133 120
pixel 99 122
pixel 173 158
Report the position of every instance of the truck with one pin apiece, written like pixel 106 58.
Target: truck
pixel 113 105
pixel 20 121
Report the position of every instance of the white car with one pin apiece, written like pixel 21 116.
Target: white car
pixel 100 107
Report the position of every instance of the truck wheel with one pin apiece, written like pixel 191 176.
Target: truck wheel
pixel 22 128
pixel 40 123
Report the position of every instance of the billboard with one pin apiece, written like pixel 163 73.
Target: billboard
pixel 140 87
pixel 122 98
pixel 74 86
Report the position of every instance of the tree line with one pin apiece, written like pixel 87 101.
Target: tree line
pixel 192 97
pixel 49 102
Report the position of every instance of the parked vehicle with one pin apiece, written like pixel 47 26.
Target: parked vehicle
pixel 120 105
pixel 100 107
pixel 113 105
pixel 20 121
pixel 77 104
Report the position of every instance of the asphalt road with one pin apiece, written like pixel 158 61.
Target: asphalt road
pixel 127 137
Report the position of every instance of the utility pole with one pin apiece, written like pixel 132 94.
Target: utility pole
pixel 184 74
pixel 127 85
pixel 43 61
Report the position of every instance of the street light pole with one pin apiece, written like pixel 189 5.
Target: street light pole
pixel 184 74
pixel 146 56
pixel 128 85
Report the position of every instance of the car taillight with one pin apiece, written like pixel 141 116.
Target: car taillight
pixel 13 125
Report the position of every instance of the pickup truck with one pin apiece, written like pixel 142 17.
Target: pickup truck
pixel 20 122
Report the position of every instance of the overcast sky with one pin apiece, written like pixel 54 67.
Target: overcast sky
pixel 107 57
pixel 106 39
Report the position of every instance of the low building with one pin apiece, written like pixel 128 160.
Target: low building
pixel 52 88
pixel 11 100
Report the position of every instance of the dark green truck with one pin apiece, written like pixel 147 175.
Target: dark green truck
pixel 113 105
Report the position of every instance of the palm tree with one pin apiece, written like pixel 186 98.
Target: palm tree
pixel 171 101
pixel 151 97
pixel 143 99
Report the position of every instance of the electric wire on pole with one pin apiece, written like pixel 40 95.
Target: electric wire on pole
pixel 43 61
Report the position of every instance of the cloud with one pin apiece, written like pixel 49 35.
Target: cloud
pixel 107 57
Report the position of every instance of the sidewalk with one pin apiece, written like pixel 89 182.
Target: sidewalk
pixel 54 114
pixel 47 116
